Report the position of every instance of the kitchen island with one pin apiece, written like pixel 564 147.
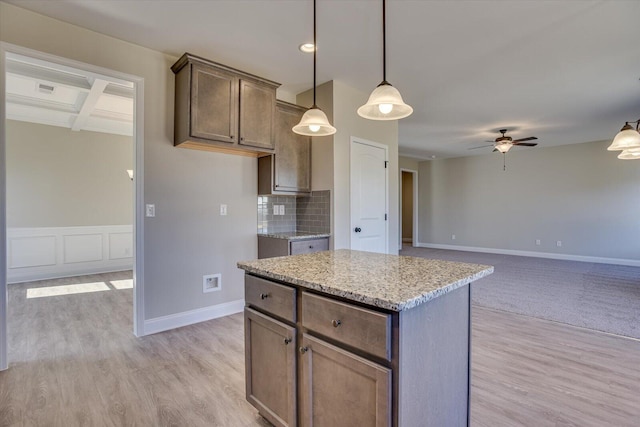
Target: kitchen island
pixel 348 338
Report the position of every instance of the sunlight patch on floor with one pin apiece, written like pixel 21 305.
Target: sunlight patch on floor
pixel 80 288
pixel 122 284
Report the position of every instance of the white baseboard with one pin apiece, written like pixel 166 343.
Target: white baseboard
pixel 173 321
pixel 548 255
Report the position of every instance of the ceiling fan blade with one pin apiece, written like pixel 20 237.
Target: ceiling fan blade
pixel 526 144
pixel 531 138
pixel 483 146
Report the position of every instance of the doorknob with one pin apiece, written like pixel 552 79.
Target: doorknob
pixel 358 229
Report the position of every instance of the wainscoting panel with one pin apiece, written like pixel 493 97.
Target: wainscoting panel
pixel 120 245
pixel 51 252
pixel 82 248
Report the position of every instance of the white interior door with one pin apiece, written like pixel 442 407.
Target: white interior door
pixel 369 202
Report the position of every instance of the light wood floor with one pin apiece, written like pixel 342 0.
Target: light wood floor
pixel 75 362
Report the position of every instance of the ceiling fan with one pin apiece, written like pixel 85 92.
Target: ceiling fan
pixel 504 143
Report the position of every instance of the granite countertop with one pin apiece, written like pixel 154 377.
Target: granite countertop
pixel 387 281
pixel 295 235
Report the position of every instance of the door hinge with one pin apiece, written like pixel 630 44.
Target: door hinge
pixel 385 163
pixel 385 217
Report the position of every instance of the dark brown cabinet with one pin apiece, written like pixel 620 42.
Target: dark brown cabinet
pixel 288 170
pixel 222 109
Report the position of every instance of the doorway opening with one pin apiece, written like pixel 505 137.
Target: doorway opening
pixel 408 207
pixel 72 192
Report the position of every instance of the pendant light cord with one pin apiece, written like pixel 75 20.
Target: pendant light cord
pixel 315 49
pixel 384 41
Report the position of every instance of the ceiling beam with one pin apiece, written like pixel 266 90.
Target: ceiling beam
pixel 97 88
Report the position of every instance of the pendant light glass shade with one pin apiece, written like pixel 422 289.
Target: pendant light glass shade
pixel 628 137
pixel 314 122
pixel 385 103
pixel 630 154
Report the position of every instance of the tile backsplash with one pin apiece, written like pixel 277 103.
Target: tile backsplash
pixel 313 213
pixel 310 214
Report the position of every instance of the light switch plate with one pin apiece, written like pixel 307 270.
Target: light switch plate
pixel 276 210
pixel 150 210
pixel 223 209
pixel 281 209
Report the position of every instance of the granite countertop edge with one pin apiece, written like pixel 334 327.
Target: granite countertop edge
pixel 376 302
pixel 295 236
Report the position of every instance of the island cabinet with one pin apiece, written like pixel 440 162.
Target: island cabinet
pixel 222 109
pixel 288 170
pixel 347 338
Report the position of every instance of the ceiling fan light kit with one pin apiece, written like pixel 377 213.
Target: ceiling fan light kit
pixel 314 122
pixel 627 138
pixel 385 102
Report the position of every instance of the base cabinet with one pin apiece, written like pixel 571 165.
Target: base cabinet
pixel 270 356
pixel 316 360
pixel 341 389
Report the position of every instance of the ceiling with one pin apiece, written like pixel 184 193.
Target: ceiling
pixel 564 71
pixel 55 95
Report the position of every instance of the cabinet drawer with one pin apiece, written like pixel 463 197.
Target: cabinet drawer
pixel 364 329
pixel 271 297
pixel 299 247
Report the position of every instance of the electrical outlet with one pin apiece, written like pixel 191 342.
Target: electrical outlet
pixel 559 243
pixel 537 242
pixel 150 210
pixel 211 282
pixel 281 209
pixel 223 209
pixel 453 237
pixel 276 210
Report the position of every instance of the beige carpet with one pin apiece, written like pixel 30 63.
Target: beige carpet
pixel 603 297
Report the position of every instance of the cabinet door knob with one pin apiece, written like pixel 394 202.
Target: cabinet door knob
pixel 303 350
pixel 264 296
pixel 287 341
pixel 231 137
pixel 242 138
pixel 336 323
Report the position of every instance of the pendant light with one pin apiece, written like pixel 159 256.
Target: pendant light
pixel 630 154
pixel 385 102
pixel 314 122
pixel 628 137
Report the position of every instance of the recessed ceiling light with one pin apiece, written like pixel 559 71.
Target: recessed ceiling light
pixel 307 47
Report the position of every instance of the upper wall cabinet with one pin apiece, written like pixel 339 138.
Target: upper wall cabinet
pixel 219 108
pixel 288 170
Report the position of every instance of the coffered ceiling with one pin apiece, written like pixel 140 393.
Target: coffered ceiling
pixel 564 71
pixel 44 93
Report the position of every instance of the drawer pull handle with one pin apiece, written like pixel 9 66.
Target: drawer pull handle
pixel 264 296
pixel 303 350
pixel 287 341
pixel 336 323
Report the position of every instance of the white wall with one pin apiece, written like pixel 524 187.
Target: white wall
pixel 60 178
pixel 331 156
pixel 579 194
pixel 187 238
